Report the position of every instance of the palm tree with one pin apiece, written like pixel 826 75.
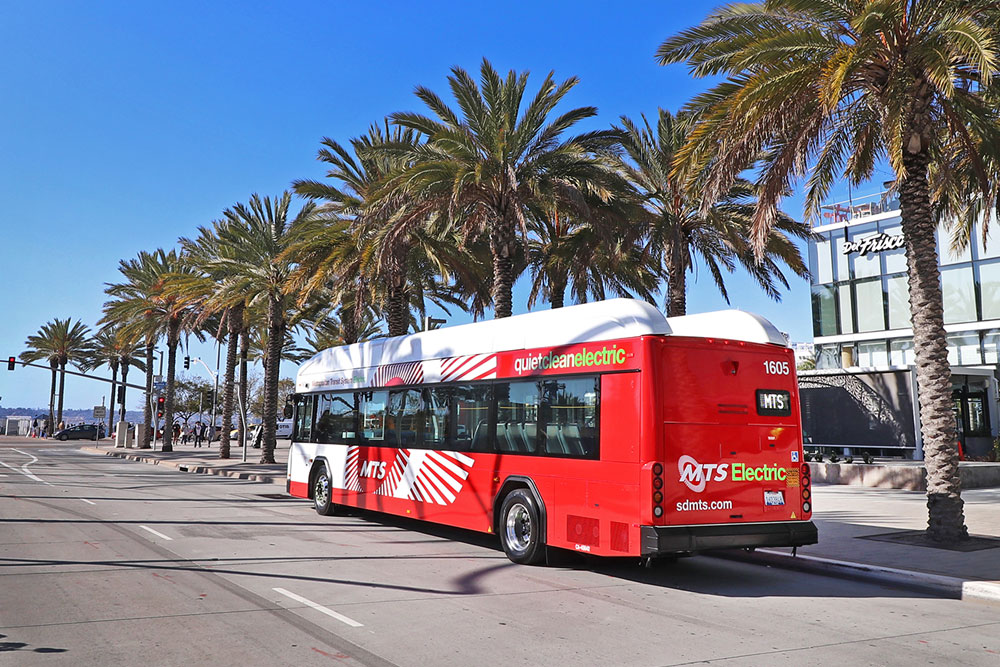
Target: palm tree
pixel 208 290
pixel 681 225
pixel 104 352
pixel 134 309
pixel 260 233
pixel 589 257
pixel 373 234
pixel 327 331
pixel 146 303
pixel 826 90
pixel 59 342
pixel 111 347
pixel 491 168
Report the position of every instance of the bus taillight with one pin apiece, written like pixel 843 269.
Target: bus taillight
pixel 657 493
pixel 806 491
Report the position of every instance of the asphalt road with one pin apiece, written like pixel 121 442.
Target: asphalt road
pixel 110 562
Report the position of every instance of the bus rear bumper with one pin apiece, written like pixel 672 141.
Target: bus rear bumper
pixel 682 539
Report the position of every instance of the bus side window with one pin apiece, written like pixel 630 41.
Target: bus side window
pixel 517 417
pixel 373 413
pixel 406 420
pixel 304 418
pixel 337 418
pixel 439 407
pixel 569 412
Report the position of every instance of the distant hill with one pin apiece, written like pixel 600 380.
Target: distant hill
pixel 70 416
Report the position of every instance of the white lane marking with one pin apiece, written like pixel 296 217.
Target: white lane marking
pixel 24 469
pixel 156 532
pixel 320 608
pixel 89 502
pixel 28 474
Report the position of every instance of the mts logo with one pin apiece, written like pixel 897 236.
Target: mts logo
pixel 374 469
pixel 696 475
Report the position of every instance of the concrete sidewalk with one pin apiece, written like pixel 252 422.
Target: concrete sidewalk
pixel 205 460
pixel 848 518
pixel 877 534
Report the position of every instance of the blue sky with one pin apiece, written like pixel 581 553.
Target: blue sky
pixel 127 124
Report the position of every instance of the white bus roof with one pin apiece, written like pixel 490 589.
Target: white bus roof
pixel 584 323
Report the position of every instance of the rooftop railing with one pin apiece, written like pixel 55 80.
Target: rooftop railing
pixel 858 207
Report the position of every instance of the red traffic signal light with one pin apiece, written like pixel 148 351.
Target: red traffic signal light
pixel 160 400
pixel 10 363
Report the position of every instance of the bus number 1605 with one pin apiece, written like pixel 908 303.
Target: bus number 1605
pixel 776 367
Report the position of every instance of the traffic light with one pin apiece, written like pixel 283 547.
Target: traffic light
pixel 10 363
pixel 160 400
pixel 187 363
pixel 121 394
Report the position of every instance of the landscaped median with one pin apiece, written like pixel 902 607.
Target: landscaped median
pixel 936 584
pixel 185 461
pixel 908 475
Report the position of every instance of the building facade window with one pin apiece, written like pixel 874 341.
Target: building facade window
pixel 820 260
pixel 991 249
pixel 845 306
pixel 959 294
pixel 827 356
pixel 898 297
pixel 991 346
pixel 901 352
pixel 869 305
pixel 871 353
pixel 824 311
pixel 869 264
pixel 989 288
pixel 963 350
pixel 946 254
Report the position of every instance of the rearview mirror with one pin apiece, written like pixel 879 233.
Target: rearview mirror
pixel 288 410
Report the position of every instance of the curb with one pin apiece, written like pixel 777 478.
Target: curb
pixel 950 587
pixel 188 467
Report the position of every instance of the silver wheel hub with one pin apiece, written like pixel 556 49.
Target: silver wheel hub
pixel 518 528
pixel 321 491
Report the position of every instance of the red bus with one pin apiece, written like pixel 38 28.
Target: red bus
pixel 603 428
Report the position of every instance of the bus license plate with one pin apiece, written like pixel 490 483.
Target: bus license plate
pixel 774 498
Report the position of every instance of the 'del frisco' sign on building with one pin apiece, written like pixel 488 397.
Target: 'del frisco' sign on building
pixel 877 243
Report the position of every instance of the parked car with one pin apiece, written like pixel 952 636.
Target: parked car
pixel 80 432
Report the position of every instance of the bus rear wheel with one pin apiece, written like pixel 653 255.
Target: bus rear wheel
pixel 322 495
pixel 520 528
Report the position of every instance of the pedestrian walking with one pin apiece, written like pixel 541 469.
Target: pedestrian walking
pixel 176 431
pixel 34 428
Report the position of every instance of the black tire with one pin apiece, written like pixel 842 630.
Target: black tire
pixel 62 438
pixel 321 492
pixel 521 528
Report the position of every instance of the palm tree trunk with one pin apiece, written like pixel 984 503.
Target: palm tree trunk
pixel 945 513
pixel 349 324
pixel 173 338
pixel 557 290
pixel 121 410
pixel 53 365
pixel 62 388
pixel 275 341
pixel 114 392
pixel 398 307
pixel 677 281
pixel 502 248
pixel 234 319
pixel 147 409
pixel 243 388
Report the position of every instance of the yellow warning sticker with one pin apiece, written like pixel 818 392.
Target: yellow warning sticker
pixel 792 477
pixel 793 515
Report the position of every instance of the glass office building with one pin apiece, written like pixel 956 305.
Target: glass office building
pixel 860 305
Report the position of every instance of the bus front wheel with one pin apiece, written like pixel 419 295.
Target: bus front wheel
pixel 520 528
pixel 322 494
